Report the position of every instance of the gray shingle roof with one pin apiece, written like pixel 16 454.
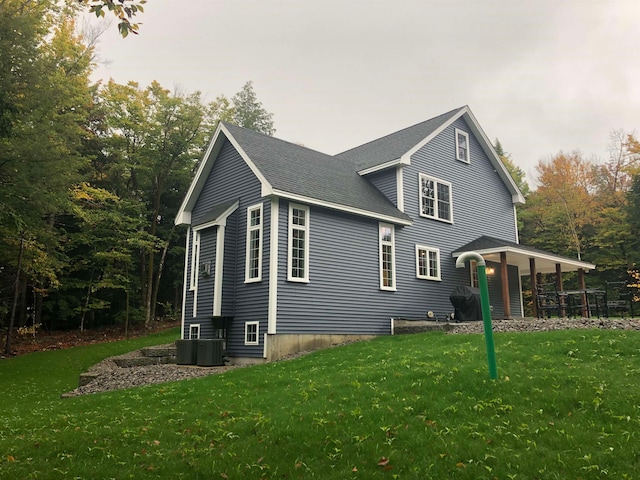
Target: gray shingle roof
pixel 393 146
pixel 304 172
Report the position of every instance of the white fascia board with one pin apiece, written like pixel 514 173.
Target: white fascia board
pixel 527 253
pixel 407 156
pixel 221 220
pixel 516 195
pixel 383 166
pixel 184 214
pixel 342 208
pixel 266 186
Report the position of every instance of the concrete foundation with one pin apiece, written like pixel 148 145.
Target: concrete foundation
pixel 281 345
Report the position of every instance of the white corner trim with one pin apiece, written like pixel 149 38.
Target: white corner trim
pixel 400 188
pixel 217 280
pixel 273 269
pixel 185 284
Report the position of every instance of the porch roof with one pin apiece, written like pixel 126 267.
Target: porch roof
pixel 519 255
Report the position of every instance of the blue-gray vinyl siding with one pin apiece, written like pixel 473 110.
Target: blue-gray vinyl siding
pixel 343 294
pixel 231 179
pixel 386 181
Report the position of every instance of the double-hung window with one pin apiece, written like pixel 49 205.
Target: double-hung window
pixel 298 261
pixel 195 260
pixel 253 271
pixel 427 262
pixel 435 199
pixel 462 146
pixel 386 235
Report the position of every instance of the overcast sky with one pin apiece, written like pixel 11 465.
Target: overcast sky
pixel 540 75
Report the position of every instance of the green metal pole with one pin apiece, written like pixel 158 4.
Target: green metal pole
pixel 486 307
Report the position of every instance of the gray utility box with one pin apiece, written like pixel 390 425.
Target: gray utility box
pixel 186 352
pixel 210 352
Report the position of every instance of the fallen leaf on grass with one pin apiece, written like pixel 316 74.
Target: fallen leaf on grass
pixel 11 458
pixel 461 465
pixel 383 462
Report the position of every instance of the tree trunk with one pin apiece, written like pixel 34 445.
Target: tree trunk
pixel 156 287
pixel 86 303
pixel 16 292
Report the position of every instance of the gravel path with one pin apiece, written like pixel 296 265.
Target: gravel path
pixel 111 377
pixel 540 325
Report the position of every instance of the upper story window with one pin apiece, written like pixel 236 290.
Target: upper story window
pixel 387 257
pixel 253 271
pixel 435 199
pixel 195 260
pixel 298 262
pixel 427 263
pixel 462 146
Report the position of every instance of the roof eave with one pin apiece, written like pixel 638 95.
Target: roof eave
pixel 221 134
pixel 343 208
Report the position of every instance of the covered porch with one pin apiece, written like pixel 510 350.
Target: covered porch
pixel 529 261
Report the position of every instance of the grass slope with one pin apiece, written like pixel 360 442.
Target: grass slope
pixel 410 407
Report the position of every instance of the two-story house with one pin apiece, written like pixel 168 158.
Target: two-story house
pixel 289 248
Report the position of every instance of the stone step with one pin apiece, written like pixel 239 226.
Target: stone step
pixel 86 378
pixel 128 362
pixel 160 351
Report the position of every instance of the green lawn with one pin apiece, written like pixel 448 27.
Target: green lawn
pixel 566 406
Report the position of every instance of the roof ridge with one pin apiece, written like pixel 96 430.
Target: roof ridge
pixel 450 112
pixel 271 137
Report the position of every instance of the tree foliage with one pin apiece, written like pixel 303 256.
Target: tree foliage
pixel 517 174
pixel 123 10
pixel 589 210
pixel 91 177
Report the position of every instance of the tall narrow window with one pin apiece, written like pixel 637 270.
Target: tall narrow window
pixel 298 264
pixel 427 263
pixel 387 257
pixel 251 330
pixel 462 146
pixel 195 260
pixel 474 274
pixel 253 271
pixel 435 199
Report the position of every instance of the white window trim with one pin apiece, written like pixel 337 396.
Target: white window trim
pixel 427 249
pixel 392 243
pixel 196 326
pixel 436 181
pixel 250 229
pixel 293 227
pixel 195 260
pixel 467 158
pixel 473 271
pixel 246 331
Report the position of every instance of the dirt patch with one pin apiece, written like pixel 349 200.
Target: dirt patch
pixel 57 340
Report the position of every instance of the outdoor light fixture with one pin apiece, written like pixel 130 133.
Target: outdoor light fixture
pixel 491 270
